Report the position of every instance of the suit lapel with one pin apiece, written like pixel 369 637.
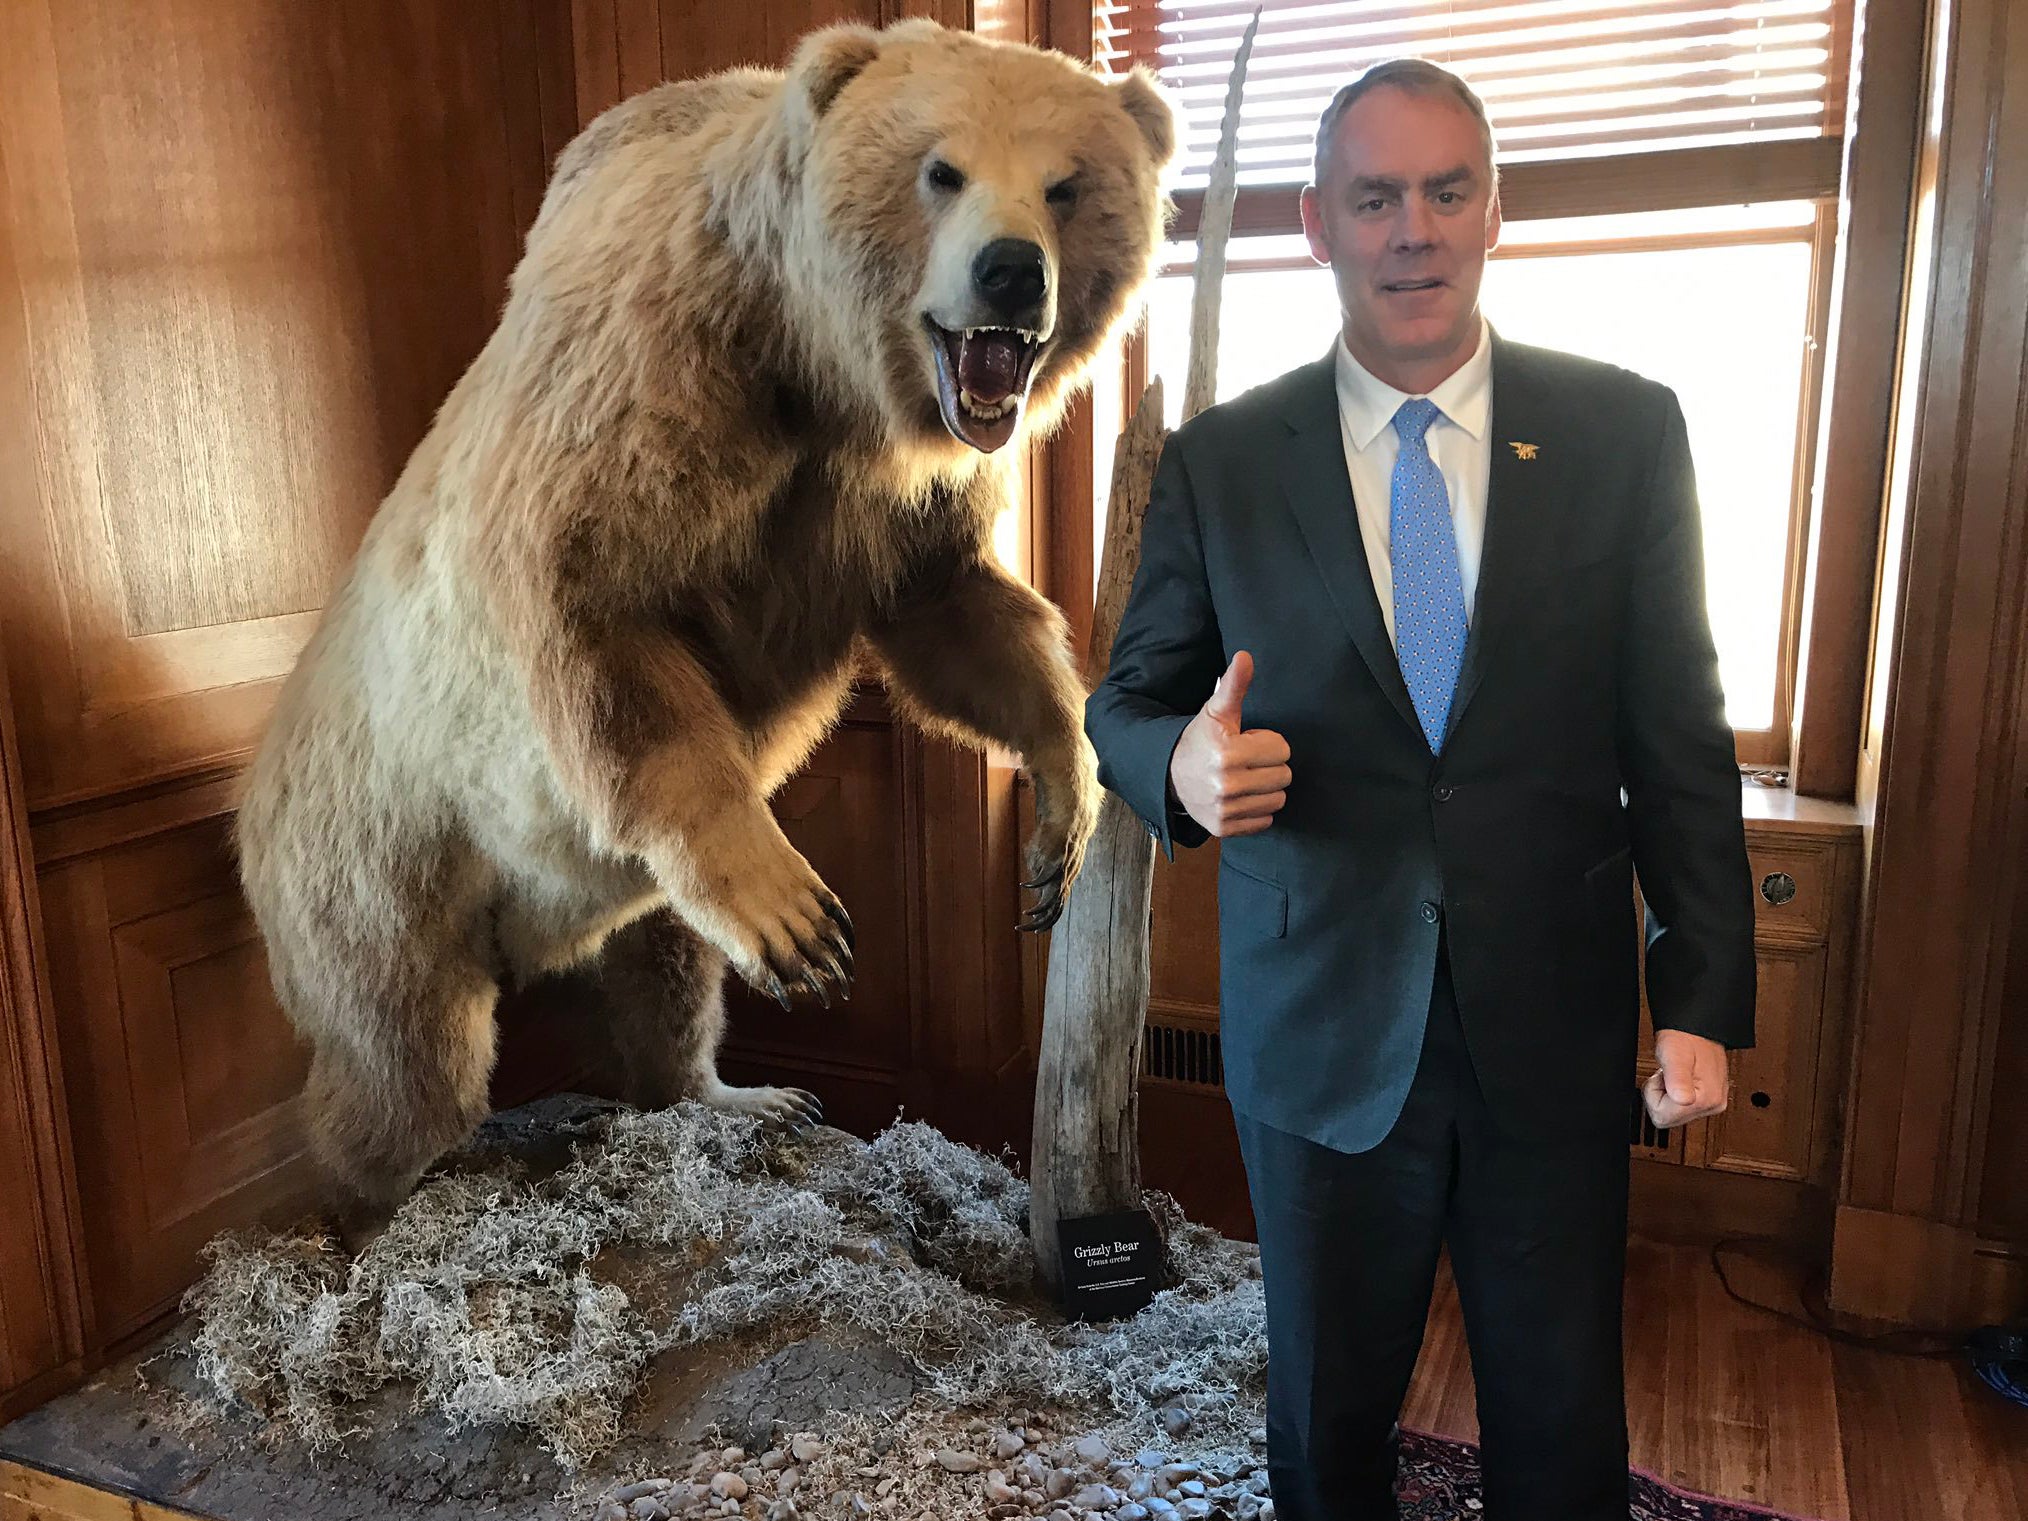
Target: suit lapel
pixel 1319 491
pixel 1524 517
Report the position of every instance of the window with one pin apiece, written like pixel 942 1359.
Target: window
pixel 1648 147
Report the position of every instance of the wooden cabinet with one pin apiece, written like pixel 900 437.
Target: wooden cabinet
pixel 1781 1123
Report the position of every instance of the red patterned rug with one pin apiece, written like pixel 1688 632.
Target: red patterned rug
pixel 1439 1481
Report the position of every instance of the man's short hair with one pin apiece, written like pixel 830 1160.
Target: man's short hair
pixel 1418 76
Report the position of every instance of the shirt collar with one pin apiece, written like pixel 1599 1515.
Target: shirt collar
pixel 1367 404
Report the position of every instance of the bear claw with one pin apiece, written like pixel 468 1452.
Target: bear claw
pixel 844 920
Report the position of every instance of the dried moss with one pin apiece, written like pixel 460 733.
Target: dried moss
pixel 481 1295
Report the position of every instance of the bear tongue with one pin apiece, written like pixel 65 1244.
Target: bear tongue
pixel 988 364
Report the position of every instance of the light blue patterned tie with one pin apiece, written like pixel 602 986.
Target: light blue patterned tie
pixel 1429 589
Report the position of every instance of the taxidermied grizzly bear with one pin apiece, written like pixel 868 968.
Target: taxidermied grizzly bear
pixel 750 409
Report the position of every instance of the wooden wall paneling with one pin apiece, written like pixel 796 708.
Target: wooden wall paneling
pixel 841 811
pixel 537 42
pixel 246 249
pixel 1882 138
pixel 183 1073
pixel 2003 1196
pixel 41 1320
pixel 242 292
pixel 1950 827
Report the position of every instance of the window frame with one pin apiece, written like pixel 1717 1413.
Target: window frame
pixel 1671 179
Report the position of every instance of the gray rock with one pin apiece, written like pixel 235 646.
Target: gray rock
pixel 1147 1457
pixel 612 1511
pixel 1172 1474
pixel 953 1461
pixel 728 1486
pixel 794 1388
pixel 1141 1488
pixel 998 1490
pixel 1258 1436
pixel 1061 1482
pixel 806 1449
pixel 783 1510
pixel 627 1494
pixel 1192 1489
pixel 1092 1450
pixel 1096 1497
pixel 1196 1510
pixel 1008 1445
pixel 773 1459
pixel 1131 1512
pixel 649 1508
pixel 1176 1420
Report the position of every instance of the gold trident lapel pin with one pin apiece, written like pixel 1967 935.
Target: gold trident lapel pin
pixel 1524 451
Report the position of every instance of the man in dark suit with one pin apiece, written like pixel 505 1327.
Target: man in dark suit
pixel 1457 586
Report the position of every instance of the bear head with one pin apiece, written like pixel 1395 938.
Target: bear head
pixel 974 220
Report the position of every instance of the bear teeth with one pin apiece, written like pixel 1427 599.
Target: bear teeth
pixel 983 410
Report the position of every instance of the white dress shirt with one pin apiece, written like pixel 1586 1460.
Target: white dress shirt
pixel 1460 442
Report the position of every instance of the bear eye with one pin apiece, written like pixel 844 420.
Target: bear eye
pixel 941 176
pixel 1062 193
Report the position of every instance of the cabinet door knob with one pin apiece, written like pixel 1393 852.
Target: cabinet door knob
pixel 1778 887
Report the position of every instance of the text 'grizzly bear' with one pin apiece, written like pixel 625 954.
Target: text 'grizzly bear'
pixel 749 411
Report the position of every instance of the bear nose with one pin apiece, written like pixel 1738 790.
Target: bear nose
pixel 1011 276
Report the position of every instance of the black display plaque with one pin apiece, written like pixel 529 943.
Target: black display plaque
pixel 1112 1264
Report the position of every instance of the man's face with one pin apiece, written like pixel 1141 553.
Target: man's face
pixel 1405 219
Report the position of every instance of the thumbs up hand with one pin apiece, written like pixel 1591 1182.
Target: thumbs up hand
pixel 1230 779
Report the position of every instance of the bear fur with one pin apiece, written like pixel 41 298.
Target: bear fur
pixel 739 426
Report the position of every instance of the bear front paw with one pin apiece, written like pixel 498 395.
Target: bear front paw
pixel 782 929
pixel 1066 815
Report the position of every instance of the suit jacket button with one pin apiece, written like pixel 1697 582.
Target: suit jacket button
pixel 1429 913
pixel 1443 794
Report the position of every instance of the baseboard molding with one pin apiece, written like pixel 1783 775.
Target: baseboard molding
pixel 1906 1270
pixel 1700 1205
pixel 30 1494
pixel 24 1398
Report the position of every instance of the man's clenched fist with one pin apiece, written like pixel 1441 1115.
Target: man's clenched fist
pixel 1231 780
pixel 1689 1081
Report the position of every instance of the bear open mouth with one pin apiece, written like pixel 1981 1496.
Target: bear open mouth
pixel 982 380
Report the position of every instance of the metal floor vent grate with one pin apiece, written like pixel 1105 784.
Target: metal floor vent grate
pixel 1180 1054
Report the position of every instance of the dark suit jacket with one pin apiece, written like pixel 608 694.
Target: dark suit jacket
pixel 1588 740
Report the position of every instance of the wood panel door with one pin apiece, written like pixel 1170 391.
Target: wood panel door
pixel 246 249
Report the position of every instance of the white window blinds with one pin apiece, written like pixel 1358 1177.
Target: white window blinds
pixel 1562 79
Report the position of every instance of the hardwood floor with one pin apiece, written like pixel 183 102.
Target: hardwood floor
pixel 1728 1400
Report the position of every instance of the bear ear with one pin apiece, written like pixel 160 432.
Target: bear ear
pixel 1153 111
pixel 826 61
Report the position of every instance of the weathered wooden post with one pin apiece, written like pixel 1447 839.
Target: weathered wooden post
pixel 1086 1155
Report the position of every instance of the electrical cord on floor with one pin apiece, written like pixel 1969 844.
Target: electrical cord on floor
pixel 1818 1316
pixel 1998 1354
